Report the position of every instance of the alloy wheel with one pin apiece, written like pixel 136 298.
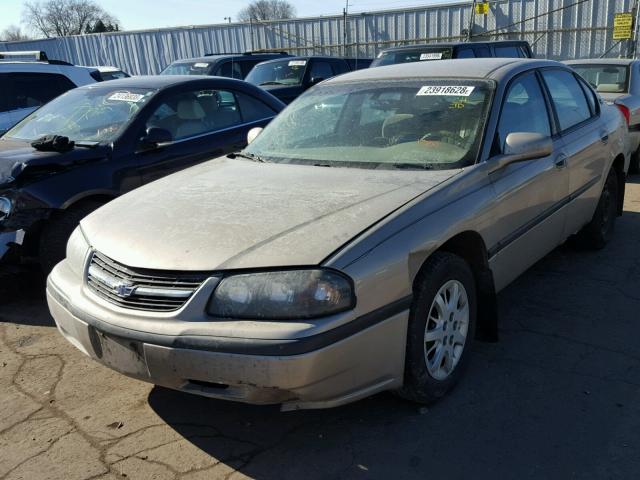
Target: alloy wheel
pixel 446 329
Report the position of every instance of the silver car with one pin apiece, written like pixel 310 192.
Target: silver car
pixel 356 245
pixel 617 80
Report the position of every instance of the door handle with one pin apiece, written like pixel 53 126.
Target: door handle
pixel 604 138
pixel 561 161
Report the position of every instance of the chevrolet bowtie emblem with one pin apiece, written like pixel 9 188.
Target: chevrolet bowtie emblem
pixel 123 290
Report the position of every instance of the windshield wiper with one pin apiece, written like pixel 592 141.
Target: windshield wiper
pixel 248 156
pixel 271 83
pixel 87 144
pixel 412 166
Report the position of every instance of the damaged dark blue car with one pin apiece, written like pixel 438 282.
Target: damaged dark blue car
pixel 94 143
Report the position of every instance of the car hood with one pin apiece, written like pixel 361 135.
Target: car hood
pixel 228 214
pixel 19 160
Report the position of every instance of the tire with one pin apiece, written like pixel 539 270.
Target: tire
pixel 425 381
pixel 597 233
pixel 56 233
pixel 634 165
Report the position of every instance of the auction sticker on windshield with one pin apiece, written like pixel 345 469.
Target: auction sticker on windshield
pixel 126 97
pixel 446 90
pixel 297 63
pixel 431 56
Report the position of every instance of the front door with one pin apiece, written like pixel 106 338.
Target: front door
pixel 528 219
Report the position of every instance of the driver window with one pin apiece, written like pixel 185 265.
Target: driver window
pixel 524 110
pixel 188 114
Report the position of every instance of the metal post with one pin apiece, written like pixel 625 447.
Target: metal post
pixel 251 32
pixel 344 30
pixel 636 21
pixel 471 21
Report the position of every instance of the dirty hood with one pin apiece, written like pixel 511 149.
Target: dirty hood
pixel 18 159
pixel 236 213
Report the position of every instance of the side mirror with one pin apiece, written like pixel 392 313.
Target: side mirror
pixel 253 134
pixel 522 146
pixel 315 80
pixel 154 137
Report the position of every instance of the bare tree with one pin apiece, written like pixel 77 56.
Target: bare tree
pixel 58 18
pixel 13 33
pixel 260 10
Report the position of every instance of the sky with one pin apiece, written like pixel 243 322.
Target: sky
pixel 146 14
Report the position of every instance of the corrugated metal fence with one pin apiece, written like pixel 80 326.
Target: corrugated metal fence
pixel 557 29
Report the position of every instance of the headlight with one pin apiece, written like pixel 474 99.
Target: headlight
pixel 5 207
pixel 282 295
pixel 77 247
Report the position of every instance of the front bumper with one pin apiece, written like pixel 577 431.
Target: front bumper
pixel 313 371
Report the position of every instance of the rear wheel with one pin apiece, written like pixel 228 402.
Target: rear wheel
pixel 56 233
pixel 634 166
pixel 601 227
pixel 441 329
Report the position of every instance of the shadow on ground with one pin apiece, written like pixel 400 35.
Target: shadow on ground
pixel 557 397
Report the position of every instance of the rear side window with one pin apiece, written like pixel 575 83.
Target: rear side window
pixel 568 98
pixel 482 52
pixel 591 97
pixel 247 65
pixel 465 53
pixel 510 51
pixel 253 109
pixel 524 110
pixel 4 91
pixel 320 69
pixel 230 70
pixel 29 90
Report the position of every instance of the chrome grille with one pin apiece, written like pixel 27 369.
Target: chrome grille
pixel 141 289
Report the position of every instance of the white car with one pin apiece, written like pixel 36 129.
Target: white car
pixel 25 85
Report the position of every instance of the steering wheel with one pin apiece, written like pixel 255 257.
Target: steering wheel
pixel 445 137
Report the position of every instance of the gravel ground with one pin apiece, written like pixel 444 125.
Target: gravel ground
pixel 557 397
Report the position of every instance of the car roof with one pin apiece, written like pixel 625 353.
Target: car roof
pixel 455 44
pixel 490 68
pixel 225 56
pixel 600 61
pixel 158 81
pixel 304 57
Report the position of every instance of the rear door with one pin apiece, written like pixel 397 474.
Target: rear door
pixel 528 219
pixel 584 139
pixel 204 124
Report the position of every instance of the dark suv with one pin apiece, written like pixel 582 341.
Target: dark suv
pixel 286 78
pixel 445 51
pixel 236 65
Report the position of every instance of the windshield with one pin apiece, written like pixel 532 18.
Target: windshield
pixel 392 57
pixel 605 78
pixel 420 124
pixel 284 72
pixel 187 68
pixel 84 115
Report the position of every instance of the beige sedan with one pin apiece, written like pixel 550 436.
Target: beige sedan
pixel 356 245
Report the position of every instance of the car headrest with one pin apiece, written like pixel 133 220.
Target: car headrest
pixel 610 88
pixel 190 110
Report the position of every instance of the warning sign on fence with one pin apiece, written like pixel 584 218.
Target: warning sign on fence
pixel 622 26
pixel 482 8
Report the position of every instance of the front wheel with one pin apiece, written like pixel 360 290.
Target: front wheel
pixel 56 233
pixel 442 325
